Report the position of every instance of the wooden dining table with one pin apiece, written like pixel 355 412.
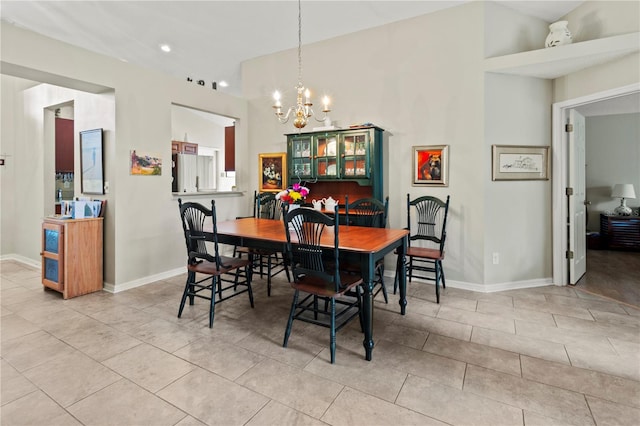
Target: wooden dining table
pixel 367 245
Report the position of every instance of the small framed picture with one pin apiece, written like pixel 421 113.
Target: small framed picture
pixel 272 169
pixel 431 165
pixel 145 164
pixel 518 162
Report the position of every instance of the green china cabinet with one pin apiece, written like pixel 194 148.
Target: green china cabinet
pixel 338 162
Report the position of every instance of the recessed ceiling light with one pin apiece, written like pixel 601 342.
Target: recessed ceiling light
pixel 223 83
pixel 165 48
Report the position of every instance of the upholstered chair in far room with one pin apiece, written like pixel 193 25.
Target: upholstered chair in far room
pixel 265 206
pixel 317 275
pixel 427 225
pixel 224 277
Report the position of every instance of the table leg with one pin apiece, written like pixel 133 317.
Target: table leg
pixel 401 273
pixel 367 313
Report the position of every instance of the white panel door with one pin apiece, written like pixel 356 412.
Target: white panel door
pixel 577 202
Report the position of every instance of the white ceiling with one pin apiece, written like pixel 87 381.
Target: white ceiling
pixel 210 39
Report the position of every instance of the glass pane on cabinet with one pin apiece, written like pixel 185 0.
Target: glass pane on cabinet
pixel 349 145
pixel 302 167
pixel 327 146
pixel 51 240
pixel 51 269
pixel 301 148
pixel 327 167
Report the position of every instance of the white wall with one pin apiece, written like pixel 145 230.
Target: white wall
pixel 593 20
pixel 518 220
pixel 421 80
pixel 148 242
pixel 613 156
pixel 12 108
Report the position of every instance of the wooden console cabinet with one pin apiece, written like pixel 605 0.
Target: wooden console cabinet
pixel 620 232
pixel 72 255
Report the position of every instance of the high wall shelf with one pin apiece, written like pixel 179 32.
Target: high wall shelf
pixel 558 61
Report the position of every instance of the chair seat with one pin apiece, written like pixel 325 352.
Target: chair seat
pixel 320 287
pixel 206 267
pixel 425 253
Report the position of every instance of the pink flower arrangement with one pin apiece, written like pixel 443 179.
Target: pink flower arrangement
pixel 294 195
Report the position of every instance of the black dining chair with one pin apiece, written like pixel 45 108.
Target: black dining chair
pixel 265 206
pixel 316 272
pixel 372 213
pixel 225 277
pixel 425 251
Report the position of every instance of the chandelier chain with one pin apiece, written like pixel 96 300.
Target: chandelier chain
pixel 299 44
pixel 302 110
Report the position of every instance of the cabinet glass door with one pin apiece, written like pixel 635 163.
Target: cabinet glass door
pixel 355 156
pixel 301 157
pixel 52 256
pixel 327 157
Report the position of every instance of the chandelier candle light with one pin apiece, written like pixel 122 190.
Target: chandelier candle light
pixel 302 110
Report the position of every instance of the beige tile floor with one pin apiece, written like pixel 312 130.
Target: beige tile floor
pixel 544 356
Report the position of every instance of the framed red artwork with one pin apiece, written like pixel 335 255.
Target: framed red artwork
pixel 430 165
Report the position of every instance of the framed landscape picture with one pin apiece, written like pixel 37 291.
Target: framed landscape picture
pixel 272 172
pixel 518 162
pixel 91 167
pixel 430 165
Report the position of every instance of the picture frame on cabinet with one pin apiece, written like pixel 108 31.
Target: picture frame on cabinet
pixel 91 163
pixel 272 172
pixel 519 162
pixel 431 165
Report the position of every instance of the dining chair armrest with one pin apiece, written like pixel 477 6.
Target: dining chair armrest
pixel 195 257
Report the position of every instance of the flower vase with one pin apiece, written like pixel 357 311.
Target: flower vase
pixel 291 208
pixel 559 34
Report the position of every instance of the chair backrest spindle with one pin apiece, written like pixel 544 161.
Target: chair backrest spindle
pixel 306 254
pixel 431 219
pixel 193 217
pixel 367 212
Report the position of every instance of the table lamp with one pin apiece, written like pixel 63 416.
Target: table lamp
pixel 623 191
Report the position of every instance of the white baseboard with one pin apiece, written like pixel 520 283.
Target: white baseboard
pixel 481 288
pixel 144 280
pixel 22 259
pixel 486 288
pixel 108 287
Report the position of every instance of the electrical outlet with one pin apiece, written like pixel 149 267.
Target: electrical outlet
pixel 496 258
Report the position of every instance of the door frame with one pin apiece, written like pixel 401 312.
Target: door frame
pixel 560 166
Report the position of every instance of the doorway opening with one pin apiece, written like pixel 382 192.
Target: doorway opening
pixel 621 100
pixel 64 154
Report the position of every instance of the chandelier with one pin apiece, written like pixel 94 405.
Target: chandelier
pixel 302 109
